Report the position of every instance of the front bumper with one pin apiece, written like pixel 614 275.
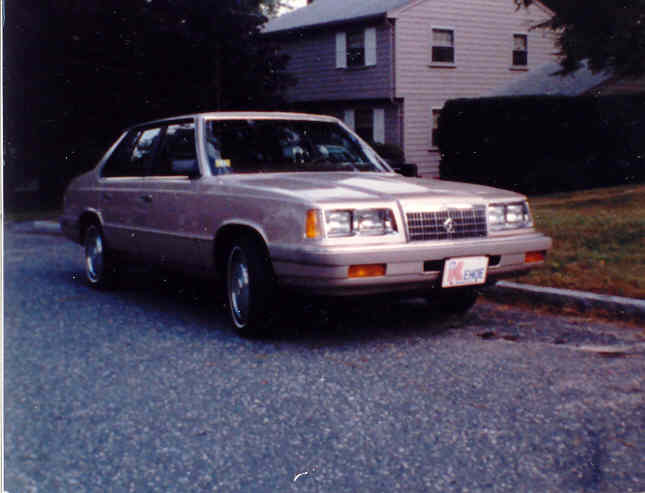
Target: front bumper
pixel 324 269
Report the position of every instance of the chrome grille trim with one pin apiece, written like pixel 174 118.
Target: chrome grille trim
pixel 465 223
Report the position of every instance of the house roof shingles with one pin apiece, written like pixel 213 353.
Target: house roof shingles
pixel 329 11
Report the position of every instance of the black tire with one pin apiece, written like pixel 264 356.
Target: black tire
pixel 100 268
pixel 250 286
pixel 455 301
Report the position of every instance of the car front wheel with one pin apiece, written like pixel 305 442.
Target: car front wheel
pixel 249 285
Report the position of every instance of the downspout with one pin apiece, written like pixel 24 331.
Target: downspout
pixel 400 108
pixel 393 63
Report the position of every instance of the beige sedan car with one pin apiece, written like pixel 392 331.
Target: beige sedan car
pixel 275 200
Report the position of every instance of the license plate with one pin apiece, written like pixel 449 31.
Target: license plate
pixel 464 271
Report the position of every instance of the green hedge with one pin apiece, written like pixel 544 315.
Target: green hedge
pixel 539 144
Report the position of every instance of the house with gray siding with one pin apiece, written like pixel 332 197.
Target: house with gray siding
pixel 386 67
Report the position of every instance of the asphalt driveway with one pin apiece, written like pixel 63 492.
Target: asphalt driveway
pixel 147 389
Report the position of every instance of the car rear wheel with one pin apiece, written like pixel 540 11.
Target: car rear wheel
pixel 250 286
pixel 99 267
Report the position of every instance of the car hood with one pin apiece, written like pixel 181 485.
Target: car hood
pixel 331 187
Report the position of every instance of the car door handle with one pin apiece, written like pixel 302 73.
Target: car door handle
pixel 146 198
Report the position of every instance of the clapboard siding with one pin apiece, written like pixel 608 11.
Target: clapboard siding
pixel 403 81
pixel 313 62
pixel 483 60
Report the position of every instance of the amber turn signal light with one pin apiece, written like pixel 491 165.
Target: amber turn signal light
pixel 533 257
pixel 367 270
pixel 312 224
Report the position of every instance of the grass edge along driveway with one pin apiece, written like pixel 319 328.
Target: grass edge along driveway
pixel 598 240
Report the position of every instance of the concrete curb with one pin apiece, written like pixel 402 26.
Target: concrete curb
pixel 35 227
pixel 616 306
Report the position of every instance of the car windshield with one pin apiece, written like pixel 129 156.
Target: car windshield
pixel 252 146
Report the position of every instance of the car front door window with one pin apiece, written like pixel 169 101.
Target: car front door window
pixel 177 156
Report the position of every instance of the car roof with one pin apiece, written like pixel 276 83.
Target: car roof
pixel 237 115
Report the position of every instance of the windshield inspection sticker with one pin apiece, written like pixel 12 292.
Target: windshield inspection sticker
pixel 466 271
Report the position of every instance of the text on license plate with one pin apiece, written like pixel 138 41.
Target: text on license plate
pixel 464 271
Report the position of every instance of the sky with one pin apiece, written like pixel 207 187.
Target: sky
pixel 296 3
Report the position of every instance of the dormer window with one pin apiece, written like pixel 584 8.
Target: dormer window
pixel 356 48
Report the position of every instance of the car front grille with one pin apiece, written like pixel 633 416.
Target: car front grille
pixel 447 224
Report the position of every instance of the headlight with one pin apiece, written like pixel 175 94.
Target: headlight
pixel 496 216
pixel 339 223
pixel 509 216
pixel 365 222
pixel 374 222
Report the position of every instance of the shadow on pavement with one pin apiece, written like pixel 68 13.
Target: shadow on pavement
pixel 295 319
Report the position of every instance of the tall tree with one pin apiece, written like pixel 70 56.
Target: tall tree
pixel 78 71
pixel 610 34
pixel 271 8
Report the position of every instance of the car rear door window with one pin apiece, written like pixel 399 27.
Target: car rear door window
pixel 144 150
pixel 133 155
pixel 118 162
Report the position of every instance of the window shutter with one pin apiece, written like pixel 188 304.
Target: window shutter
pixel 370 46
pixel 379 125
pixel 349 119
pixel 341 50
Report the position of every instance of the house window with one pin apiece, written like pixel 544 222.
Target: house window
pixel 434 140
pixel 356 48
pixel 443 46
pixel 364 123
pixel 368 123
pixel 520 50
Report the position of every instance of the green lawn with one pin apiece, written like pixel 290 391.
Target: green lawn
pixel 598 240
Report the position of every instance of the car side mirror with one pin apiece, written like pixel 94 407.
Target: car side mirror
pixel 406 169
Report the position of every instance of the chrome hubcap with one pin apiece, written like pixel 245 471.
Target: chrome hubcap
pixel 239 288
pixel 94 255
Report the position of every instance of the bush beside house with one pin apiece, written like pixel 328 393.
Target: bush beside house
pixel 540 144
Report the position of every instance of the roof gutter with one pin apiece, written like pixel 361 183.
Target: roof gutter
pixel 325 25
